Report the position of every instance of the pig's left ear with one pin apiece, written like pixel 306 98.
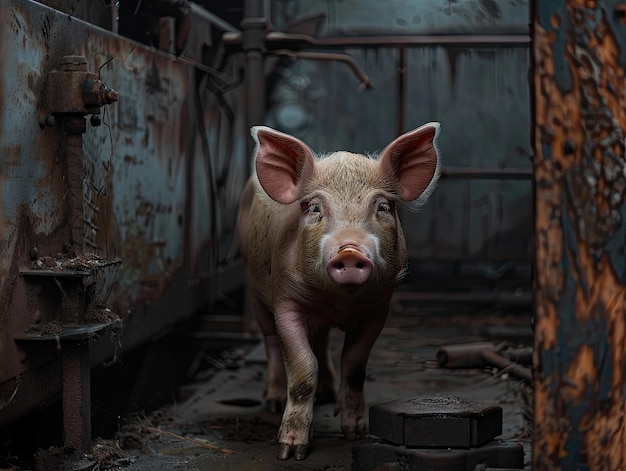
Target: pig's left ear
pixel 413 160
pixel 283 162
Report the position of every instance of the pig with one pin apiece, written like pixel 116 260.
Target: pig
pixel 323 247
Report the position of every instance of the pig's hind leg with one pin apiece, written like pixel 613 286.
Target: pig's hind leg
pixel 276 381
pixel 326 393
pixel 351 401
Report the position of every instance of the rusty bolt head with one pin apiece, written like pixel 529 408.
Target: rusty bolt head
pixel 110 95
pixel 46 120
pixel 97 94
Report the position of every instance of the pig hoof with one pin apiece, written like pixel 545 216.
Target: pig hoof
pixel 285 449
pixel 353 433
pixel 300 452
pixel 274 406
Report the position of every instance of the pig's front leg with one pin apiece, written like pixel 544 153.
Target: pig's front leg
pixel 301 366
pixel 350 401
pixel 275 388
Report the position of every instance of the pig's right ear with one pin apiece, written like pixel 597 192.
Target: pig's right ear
pixel 413 161
pixel 282 162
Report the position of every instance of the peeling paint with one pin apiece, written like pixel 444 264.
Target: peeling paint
pixel 580 341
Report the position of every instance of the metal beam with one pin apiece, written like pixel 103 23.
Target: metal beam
pixel 465 40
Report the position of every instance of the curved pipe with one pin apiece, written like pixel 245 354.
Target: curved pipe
pixel 330 56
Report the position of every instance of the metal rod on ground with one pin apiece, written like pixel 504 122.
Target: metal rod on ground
pixel 479 355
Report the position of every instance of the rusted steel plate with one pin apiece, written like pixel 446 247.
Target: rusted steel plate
pixel 162 178
pixel 580 182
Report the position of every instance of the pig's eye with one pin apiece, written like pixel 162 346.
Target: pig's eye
pixel 384 207
pixel 312 211
pixel 385 211
pixel 310 207
pixel 314 208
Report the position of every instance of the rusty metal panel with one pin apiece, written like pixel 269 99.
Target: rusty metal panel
pixel 162 177
pixel 481 97
pixel 580 178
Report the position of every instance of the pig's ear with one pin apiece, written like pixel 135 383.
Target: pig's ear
pixel 413 160
pixel 282 162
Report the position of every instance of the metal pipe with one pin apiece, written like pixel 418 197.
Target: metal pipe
pixel 401 79
pixel 210 18
pixel 487 173
pixel 500 40
pixel 4 41
pixel 254 26
pixel 330 56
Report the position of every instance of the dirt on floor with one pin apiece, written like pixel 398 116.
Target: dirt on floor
pixel 222 425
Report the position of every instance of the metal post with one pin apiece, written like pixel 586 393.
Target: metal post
pixel 75 127
pixel 580 287
pixel 254 27
pixel 4 19
pixel 400 103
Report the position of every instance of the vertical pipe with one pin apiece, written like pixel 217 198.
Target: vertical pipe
pixel 401 91
pixel 74 127
pixel 580 285
pixel 254 25
pixel 76 396
pixel 4 20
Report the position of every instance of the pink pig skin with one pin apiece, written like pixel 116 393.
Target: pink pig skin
pixel 323 247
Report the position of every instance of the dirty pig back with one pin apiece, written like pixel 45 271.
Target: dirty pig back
pixel 324 248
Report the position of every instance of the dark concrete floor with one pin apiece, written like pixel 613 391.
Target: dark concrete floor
pixel 222 424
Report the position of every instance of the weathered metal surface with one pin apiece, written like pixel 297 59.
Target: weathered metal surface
pixel 408 17
pixel 464 64
pixel 580 344
pixel 468 217
pixel 160 186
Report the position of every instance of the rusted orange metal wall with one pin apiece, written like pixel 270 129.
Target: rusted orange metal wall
pixel 580 286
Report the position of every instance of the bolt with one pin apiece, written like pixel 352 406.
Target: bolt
pixel 46 120
pixel 110 95
pixel 95 120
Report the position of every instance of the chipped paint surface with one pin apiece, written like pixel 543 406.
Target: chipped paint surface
pixel 162 179
pixel 580 105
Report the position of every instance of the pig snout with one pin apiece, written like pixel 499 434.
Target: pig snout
pixel 349 266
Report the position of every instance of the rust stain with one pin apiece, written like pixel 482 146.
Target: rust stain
pixel 580 181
